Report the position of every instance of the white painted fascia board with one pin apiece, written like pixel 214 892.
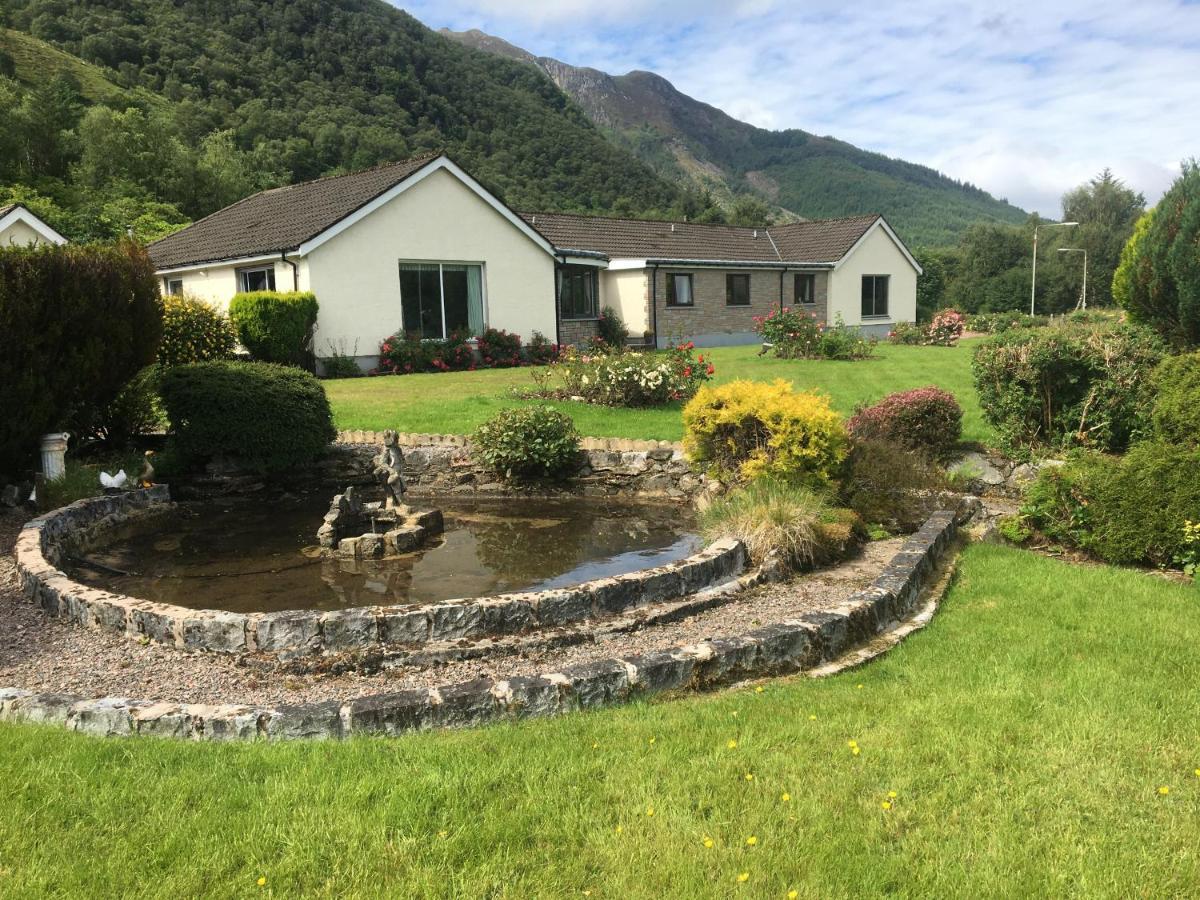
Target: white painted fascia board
pixel 438 164
pixel 573 260
pixel 44 231
pixel 881 222
pixel 619 265
pixel 219 263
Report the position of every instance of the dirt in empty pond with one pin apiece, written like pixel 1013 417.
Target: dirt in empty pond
pixel 260 556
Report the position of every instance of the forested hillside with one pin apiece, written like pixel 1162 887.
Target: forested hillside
pixel 814 177
pixel 146 113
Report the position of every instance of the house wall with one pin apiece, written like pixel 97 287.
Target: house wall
pixel 877 255
pixel 356 276
pixel 627 292
pixel 18 234
pixel 218 284
pixel 710 322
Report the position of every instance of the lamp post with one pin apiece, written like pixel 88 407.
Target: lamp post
pixel 1082 294
pixel 1033 280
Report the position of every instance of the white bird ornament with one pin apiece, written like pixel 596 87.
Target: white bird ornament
pixel 113 482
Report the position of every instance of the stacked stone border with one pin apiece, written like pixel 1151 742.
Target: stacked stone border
pixel 605 467
pixel 794 645
pixel 43 543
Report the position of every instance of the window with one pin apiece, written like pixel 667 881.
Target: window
pixel 577 295
pixel 737 290
pixel 175 286
pixel 874 296
pixel 261 279
pixel 679 290
pixel 806 287
pixel 438 299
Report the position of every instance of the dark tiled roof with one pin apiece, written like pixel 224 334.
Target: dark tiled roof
pixel 281 218
pixel 824 241
pixel 5 210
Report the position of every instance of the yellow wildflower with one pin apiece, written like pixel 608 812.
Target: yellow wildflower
pixel 650 811
pixel 1164 790
pixel 751 841
pixel 708 842
pixel 745 876
pixel 262 881
pixel 851 744
pixel 886 804
pixel 792 895
pixel 652 740
pixel 759 689
pixel 749 776
pixel 812 718
pixel 620 828
pixel 732 745
pixel 443 834
pixel 785 797
pixel 892 794
pixel 859 686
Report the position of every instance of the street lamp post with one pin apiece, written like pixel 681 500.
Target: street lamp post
pixel 1033 280
pixel 1082 294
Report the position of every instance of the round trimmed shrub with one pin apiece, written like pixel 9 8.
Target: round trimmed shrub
pixel 927 420
pixel 276 327
pixel 194 331
pixel 266 417
pixel 499 349
pixel 750 429
pixel 1176 414
pixel 528 442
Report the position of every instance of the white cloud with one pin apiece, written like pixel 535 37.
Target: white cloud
pixel 1025 103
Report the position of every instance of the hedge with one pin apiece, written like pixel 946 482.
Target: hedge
pixel 76 324
pixel 276 327
pixel 265 417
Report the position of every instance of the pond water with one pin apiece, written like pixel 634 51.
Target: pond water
pixel 261 556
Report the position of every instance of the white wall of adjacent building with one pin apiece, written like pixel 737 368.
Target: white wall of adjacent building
pixel 625 290
pixel 877 254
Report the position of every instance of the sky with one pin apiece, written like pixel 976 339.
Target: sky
pixel 1023 99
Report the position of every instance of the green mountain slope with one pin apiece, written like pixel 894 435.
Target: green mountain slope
pixel 309 87
pixel 810 176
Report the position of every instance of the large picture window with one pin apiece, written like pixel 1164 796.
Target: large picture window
pixel 737 289
pixel 578 292
pixel 806 288
pixel 874 296
pixel 260 279
pixel 679 290
pixel 439 299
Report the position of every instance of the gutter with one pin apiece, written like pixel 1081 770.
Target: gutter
pixel 654 305
pixel 738 264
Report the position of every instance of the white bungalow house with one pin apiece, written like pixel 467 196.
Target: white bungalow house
pixel 21 228
pixel 421 246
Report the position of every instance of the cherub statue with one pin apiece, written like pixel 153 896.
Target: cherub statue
pixel 389 466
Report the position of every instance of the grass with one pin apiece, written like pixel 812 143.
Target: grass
pixel 458 402
pixel 83 479
pixel 1026 733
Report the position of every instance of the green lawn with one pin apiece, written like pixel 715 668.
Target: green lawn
pixel 457 402
pixel 1026 734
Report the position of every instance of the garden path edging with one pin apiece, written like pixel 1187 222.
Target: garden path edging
pixel 790 646
pixel 42 543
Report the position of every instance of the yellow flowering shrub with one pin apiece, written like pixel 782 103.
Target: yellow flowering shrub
pixel 750 429
pixel 194 331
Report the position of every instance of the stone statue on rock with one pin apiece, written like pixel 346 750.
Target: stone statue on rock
pixel 389 471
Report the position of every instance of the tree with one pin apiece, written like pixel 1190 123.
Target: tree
pixel 931 283
pixel 748 210
pixel 1106 211
pixel 1158 279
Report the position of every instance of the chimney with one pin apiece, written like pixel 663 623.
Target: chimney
pixel 756 234
pixel 672 228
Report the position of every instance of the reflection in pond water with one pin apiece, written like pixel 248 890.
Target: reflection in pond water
pixel 254 556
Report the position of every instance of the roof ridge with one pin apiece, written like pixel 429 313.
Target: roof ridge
pixel 420 158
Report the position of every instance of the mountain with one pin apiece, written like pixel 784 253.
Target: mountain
pixel 803 174
pixel 190 103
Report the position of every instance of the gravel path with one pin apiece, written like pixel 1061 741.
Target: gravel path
pixel 43 654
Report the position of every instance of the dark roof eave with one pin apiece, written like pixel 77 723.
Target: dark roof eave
pixel 219 260
pixel 575 251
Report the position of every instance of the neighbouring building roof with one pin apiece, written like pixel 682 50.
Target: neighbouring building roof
pixel 280 219
pixel 819 241
pixel 5 210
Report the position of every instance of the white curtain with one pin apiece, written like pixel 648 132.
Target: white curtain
pixel 475 299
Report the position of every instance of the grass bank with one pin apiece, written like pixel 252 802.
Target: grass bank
pixel 1026 735
pixel 458 402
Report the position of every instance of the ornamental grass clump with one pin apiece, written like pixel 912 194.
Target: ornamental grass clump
pixel 795 521
pixel 927 420
pixel 751 429
pixel 528 442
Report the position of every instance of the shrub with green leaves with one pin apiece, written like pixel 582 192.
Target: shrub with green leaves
pixel 528 442
pixel 135 411
pixel 265 417
pixel 275 326
pixel 612 328
pixel 1176 414
pixel 1070 386
pixel 194 331
pixel 927 420
pixel 76 324
pixel 499 349
pixel 891 485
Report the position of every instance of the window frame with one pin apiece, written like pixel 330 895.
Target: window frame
pixel 810 278
pixel 729 291
pixel 171 285
pixel 570 273
pixel 244 288
pixel 441 264
pixel 671 295
pixel 874 301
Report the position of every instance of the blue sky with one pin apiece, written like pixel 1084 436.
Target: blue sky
pixel 1023 99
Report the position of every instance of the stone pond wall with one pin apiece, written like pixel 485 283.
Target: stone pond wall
pixel 44 543
pixel 607 467
pixel 790 646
